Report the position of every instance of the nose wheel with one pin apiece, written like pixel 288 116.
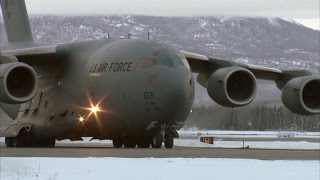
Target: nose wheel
pixel 168 140
pixel 157 140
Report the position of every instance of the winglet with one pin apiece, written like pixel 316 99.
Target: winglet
pixel 16 21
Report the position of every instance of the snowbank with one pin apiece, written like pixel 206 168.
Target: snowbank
pixel 152 168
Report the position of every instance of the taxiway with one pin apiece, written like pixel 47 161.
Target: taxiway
pixel 100 150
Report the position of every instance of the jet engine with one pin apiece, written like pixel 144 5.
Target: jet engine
pixel 232 86
pixel 301 95
pixel 18 83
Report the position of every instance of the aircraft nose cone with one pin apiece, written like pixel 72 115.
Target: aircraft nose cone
pixel 176 94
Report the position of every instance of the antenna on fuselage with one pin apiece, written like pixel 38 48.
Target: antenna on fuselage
pixel 148 35
pixel 129 35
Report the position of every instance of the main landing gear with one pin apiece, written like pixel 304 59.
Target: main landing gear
pixel 155 141
pixel 25 139
pixel 131 142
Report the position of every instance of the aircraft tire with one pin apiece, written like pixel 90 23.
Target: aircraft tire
pixel 144 142
pixel 23 139
pixel 50 142
pixel 130 143
pixel 117 142
pixel 43 143
pixel 37 142
pixel 168 143
pixel 9 141
pixel 18 141
pixel 157 141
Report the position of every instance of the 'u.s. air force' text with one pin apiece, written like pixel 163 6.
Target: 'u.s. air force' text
pixel 111 67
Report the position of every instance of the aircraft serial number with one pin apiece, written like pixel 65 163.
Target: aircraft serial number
pixel 150 102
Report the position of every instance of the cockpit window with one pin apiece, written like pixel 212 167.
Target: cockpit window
pixel 171 58
pixel 179 60
pixel 185 62
pixel 164 58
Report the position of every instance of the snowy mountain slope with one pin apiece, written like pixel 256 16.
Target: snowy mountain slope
pixel 271 42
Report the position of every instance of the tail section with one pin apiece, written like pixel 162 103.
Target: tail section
pixel 16 20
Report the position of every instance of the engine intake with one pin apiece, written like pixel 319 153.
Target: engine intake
pixel 18 83
pixel 232 86
pixel 301 95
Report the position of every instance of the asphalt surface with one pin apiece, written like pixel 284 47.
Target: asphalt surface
pixel 100 150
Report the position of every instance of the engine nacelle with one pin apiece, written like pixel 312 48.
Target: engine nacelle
pixel 232 86
pixel 301 95
pixel 18 83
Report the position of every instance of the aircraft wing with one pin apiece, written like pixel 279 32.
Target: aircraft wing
pixel 205 66
pixel 233 84
pixel 34 55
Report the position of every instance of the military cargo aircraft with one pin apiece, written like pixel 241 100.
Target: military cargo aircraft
pixel 135 92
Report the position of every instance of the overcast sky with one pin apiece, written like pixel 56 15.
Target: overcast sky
pixel 281 8
pixel 306 11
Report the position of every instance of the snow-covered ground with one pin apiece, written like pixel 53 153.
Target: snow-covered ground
pixel 152 168
pixel 256 135
pixel 252 144
pixel 269 134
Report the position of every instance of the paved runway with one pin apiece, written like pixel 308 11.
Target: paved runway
pixel 99 150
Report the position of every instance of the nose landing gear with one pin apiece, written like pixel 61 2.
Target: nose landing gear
pixel 168 140
pixel 166 135
pixel 157 140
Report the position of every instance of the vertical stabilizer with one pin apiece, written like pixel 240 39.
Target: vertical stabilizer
pixel 16 20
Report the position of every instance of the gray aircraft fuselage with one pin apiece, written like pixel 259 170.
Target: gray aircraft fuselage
pixel 134 82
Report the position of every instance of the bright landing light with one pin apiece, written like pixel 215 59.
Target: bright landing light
pixel 94 109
